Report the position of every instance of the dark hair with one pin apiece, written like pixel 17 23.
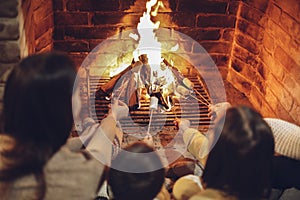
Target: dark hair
pixel 140 185
pixel 37 112
pixel 240 162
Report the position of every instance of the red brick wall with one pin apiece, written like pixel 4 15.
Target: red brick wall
pixel 26 27
pixel 78 28
pixel 36 26
pixel 265 61
pixel 82 24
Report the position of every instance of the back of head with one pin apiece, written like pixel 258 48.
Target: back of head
pixel 38 107
pixel 37 99
pixel 240 162
pixel 136 173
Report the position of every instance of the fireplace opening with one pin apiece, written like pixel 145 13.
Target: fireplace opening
pixel 179 87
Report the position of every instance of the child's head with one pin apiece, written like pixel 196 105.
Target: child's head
pixel 136 173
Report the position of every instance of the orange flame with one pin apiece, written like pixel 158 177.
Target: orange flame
pixel 148 43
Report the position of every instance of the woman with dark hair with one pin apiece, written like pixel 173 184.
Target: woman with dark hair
pixel 136 173
pixel 239 165
pixel 35 161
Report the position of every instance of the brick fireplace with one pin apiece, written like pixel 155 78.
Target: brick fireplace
pixel 254 43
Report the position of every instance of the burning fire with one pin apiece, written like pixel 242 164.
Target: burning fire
pixel 148 43
pixel 153 74
pixel 161 75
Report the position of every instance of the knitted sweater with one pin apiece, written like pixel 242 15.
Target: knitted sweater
pixel 197 144
pixel 71 173
pixel 68 175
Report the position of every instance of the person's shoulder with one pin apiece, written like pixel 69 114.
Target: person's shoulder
pixel 74 161
pixel 74 167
